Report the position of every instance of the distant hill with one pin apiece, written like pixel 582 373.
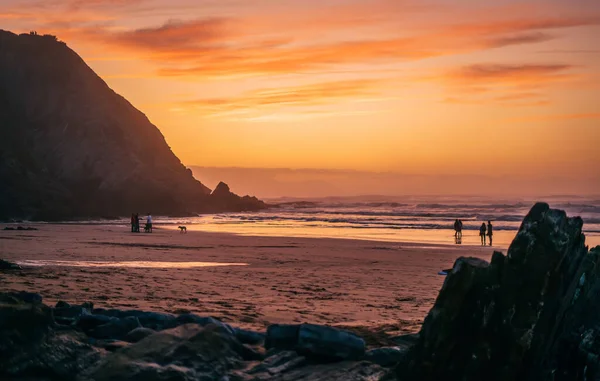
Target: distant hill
pixel 71 147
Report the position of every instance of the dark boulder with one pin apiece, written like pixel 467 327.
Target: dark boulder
pixel 20 297
pixel 282 336
pixel 153 320
pixel 29 345
pixel 89 322
pixel 138 334
pixel 188 352
pixel 115 329
pixel 316 341
pixel 329 343
pixel 386 356
pixel 249 337
pixel 504 320
pixel 201 321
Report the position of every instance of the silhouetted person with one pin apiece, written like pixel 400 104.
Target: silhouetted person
pixel 482 233
pixel 460 226
pixel 132 223
pixel 149 223
pixel 456 228
pixel 489 231
pixel 137 222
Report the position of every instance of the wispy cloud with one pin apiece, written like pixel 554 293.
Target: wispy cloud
pixel 518 84
pixel 257 103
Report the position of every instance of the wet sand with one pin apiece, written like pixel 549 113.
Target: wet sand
pixel 378 286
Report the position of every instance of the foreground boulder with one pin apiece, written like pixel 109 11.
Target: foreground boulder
pixel 29 344
pixel 317 341
pixel 188 352
pixel 506 320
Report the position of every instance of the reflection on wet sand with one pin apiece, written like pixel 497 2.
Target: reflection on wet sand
pixel 131 264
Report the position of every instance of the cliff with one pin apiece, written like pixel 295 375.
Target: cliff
pixel 72 147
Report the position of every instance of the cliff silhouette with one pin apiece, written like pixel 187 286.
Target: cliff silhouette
pixel 70 147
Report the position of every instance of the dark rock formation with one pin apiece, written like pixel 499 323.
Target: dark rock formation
pixel 188 352
pixel 115 329
pixel 316 341
pixel 71 147
pixel 386 356
pixel 530 315
pixel 6 265
pixel 29 346
pixel 223 199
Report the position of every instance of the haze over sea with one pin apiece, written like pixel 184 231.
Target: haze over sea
pixel 426 220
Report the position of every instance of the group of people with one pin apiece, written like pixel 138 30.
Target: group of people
pixel 484 231
pixel 135 223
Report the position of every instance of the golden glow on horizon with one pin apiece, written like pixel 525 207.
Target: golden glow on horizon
pixel 412 86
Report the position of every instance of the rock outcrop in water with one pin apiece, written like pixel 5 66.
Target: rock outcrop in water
pixel 71 147
pixel 533 314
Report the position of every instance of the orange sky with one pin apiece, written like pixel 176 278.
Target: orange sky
pixel 410 86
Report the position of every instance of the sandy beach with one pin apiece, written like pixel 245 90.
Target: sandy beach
pixel 377 286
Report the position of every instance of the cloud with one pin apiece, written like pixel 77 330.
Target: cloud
pixel 173 36
pixel 519 39
pixel 515 84
pixel 256 103
pixel 272 39
pixel 516 73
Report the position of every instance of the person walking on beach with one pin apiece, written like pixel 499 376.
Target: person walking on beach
pixel 137 222
pixel 149 223
pixel 482 233
pixel 489 231
pixel 132 223
pixel 460 228
pixel 456 228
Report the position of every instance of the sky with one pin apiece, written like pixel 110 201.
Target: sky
pixel 429 87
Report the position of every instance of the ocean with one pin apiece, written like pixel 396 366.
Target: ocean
pixel 391 219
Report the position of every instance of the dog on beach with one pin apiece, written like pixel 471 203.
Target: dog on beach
pixel 182 229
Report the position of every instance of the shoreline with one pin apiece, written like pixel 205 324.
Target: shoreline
pixel 372 285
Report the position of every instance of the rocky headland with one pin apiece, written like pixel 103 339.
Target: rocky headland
pixel 70 147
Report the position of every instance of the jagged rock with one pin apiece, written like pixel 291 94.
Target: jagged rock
pixel 323 342
pixel 138 334
pixel 576 355
pixel 386 356
pixel 188 352
pixel 501 321
pixel 115 329
pixel 6 265
pixel 72 147
pixel 222 197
